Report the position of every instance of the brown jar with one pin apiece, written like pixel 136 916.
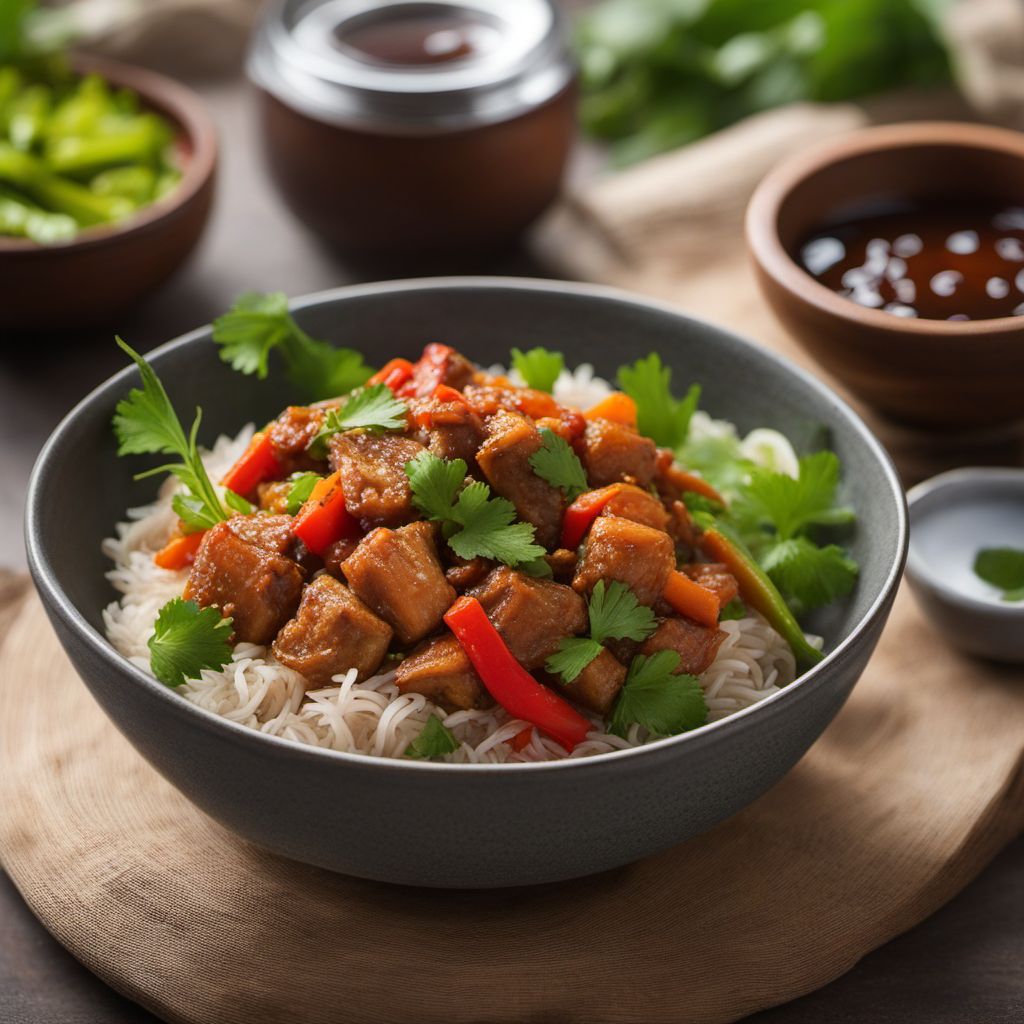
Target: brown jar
pixel 400 130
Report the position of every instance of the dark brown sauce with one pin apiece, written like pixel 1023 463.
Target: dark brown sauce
pixel 947 261
pixel 418 36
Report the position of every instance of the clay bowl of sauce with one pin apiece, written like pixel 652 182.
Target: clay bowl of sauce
pixel 401 132
pixel 895 256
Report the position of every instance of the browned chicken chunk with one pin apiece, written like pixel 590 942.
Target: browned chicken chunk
pixel 373 478
pixel 641 506
pixel 450 429
pixel 397 573
pixel 613 451
pixel 259 589
pixel 462 573
pixel 563 564
pixel 696 645
pixel 505 461
pixel 716 577
pixel 597 686
pixel 531 615
pixel 619 549
pixel 272 533
pixel 440 670
pixel 273 496
pixel 290 435
pixel 332 632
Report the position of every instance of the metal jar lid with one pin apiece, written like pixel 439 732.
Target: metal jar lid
pixel 303 54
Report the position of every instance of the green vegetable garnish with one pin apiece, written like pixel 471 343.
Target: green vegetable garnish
pixel 145 423
pixel 187 639
pixel 435 740
pixel 1003 568
pixel 660 416
pixel 259 323
pixel 237 503
pixel 615 614
pixel 735 609
pixel 654 697
pixel 539 367
pixel 559 465
pixel 372 408
pixel 474 524
pixel 302 485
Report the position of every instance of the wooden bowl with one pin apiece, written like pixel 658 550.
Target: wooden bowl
pixel 933 373
pixel 103 270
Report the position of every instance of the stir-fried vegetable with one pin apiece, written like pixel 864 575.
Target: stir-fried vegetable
pixel 323 519
pixel 691 599
pixel 258 463
pixel 508 682
pixel 582 512
pixel 617 407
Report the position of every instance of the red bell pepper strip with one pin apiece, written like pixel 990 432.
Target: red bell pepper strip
pixel 757 590
pixel 428 371
pixel 257 463
pixel 430 417
pixel 689 598
pixel 507 681
pixel 521 740
pixel 323 518
pixel 179 551
pixel 394 374
pixel 582 512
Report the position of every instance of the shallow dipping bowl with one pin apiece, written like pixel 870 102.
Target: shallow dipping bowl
pixel 462 825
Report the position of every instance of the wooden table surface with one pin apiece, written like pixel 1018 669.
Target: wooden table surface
pixel 963 966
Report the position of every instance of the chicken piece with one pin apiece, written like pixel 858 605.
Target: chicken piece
pixel 271 532
pixel 450 429
pixel 681 527
pixel 614 451
pixel 462 573
pixel 696 645
pixel 332 632
pixel 505 461
pixel 290 435
pixel 373 478
pixel 619 549
pixel 440 670
pixel 597 686
pixel 273 496
pixel 439 364
pixel 397 573
pixel 638 505
pixel 259 589
pixel 716 577
pixel 563 564
pixel 531 615
pixel 335 554
pixel 489 399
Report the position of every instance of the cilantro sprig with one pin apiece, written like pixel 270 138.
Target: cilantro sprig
pixel 539 367
pixel 259 323
pixel 474 523
pixel 186 639
pixel 145 423
pixel 615 614
pixel 660 416
pixel 1002 568
pixel 654 697
pixel 435 740
pixel 372 408
pixel 559 465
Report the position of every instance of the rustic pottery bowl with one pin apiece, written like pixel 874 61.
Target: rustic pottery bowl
pixel 106 269
pixel 928 372
pixel 437 824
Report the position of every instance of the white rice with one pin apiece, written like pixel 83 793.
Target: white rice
pixel 372 717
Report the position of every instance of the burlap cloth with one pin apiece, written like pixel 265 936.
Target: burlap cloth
pixel 909 793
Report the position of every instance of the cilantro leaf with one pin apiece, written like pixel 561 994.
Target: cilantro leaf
pixel 809 576
pixel 372 408
pixel 475 524
pixel 539 367
pixel 1003 568
pixel 655 698
pixel 435 740
pixel 489 529
pixel 186 639
pixel 735 609
pixel 237 503
pixel 616 614
pixel 538 568
pixel 660 416
pixel 574 654
pixel 258 324
pixel 788 505
pixel 559 465
pixel 145 423
pixel 302 485
pixel 719 460
pixel 435 483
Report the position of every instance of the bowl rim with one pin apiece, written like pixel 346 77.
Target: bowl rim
pixel 116 386
pixel 779 184
pixel 919 569
pixel 186 110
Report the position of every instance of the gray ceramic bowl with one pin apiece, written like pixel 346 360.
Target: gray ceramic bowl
pixel 951 517
pixel 456 825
